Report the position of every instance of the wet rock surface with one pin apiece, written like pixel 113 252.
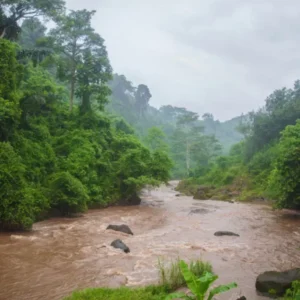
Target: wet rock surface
pixel 199 211
pixel 204 192
pixel 222 233
pixel 132 200
pixel 122 228
pixel 277 282
pixel 120 245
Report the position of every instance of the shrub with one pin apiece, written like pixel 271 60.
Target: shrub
pixel 294 292
pixel 286 176
pixel 67 193
pixel 199 287
pixel 172 276
pixel 20 203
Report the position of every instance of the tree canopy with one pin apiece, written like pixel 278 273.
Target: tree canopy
pixel 59 149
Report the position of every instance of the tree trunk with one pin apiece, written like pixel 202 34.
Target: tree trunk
pixel 2 35
pixel 187 157
pixel 72 89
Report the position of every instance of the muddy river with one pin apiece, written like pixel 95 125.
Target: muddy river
pixel 61 255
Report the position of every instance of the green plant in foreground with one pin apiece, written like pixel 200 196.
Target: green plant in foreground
pixel 199 286
pixel 294 292
pixel 172 276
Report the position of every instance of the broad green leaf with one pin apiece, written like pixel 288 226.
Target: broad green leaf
pixel 221 289
pixel 189 278
pixel 205 281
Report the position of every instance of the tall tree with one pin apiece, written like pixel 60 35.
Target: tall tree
pixel 32 31
pixel 142 97
pixel 9 97
pixel 94 71
pixel 187 133
pixel 155 140
pixel 12 11
pixel 77 42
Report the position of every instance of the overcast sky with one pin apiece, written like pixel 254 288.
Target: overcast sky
pixel 218 56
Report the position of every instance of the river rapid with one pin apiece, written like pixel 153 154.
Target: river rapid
pixel 61 255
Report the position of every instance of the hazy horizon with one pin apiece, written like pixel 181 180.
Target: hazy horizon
pixel 217 57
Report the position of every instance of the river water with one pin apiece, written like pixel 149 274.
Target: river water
pixel 61 255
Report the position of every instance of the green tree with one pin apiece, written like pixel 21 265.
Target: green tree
pixel 19 202
pixel 13 11
pixel 155 140
pixel 31 31
pixel 83 54
pixel 285 177
pixel 142 97
pixel 9 96
pixel 94 71
pixel 187 133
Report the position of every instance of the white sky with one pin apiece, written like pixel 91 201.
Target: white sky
pixel 219 56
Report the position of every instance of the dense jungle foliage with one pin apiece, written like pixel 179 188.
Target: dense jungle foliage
pixel 74 135
pixel 60 151
pixel 266 163
pixel 190 138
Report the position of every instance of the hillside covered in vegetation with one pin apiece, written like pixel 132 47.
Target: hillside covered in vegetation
pixel 265 164
pixel 59 150
pixel 192 140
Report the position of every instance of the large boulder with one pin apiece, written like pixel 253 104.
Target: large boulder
pixel 134 199
pixel 122 228
pixel 272 282
pixel 200 195
pixel 120 245
pixel 221 233
pixel 199 211
pixel 204 192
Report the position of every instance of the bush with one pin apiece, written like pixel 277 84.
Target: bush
pixel 51 158
pixel 286 175
pixel 172 276
pixel 19 202
pixel 294 292
pixel 67 193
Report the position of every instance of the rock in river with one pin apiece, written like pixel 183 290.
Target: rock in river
pixel 204 192
pixel 120 245
pixel 221 233
pixel 278 282
pixel 199 211
pixel 134 199
pixel 122 228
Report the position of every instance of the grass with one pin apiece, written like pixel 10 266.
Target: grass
pixel 172 277
pixel 123 293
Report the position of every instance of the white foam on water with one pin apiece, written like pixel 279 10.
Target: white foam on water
pixel 14 237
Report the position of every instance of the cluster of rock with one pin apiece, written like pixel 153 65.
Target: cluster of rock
pixel 205 192
pixel 119 244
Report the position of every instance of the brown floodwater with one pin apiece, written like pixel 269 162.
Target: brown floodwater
pixel 62 255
